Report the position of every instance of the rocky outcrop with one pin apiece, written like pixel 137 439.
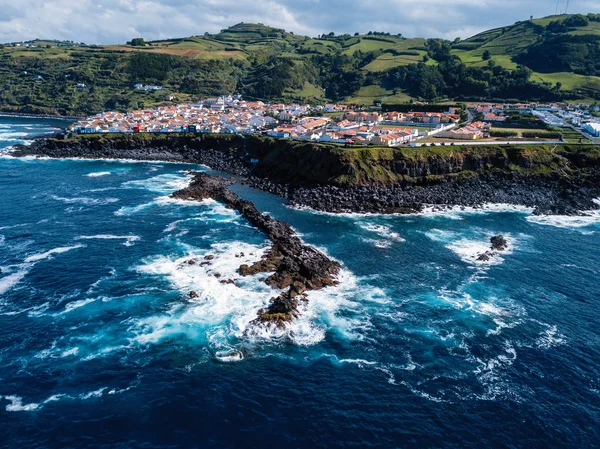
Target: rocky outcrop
pixel 499 244
pixel 295 266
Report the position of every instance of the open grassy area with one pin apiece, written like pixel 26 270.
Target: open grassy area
pixel 368 94
pixel 307 93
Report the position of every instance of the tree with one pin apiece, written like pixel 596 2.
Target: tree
pixel 486 55
pixel 137 42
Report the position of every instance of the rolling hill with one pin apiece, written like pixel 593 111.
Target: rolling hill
pixel 551 58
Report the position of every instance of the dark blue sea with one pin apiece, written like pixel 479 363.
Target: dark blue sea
pixel 419 346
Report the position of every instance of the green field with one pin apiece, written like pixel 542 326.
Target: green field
pixel 368 94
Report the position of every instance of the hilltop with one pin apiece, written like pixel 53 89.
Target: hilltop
pixel 554 58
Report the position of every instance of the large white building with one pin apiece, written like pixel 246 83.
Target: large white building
pixel 592 128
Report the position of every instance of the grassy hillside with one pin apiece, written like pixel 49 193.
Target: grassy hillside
pixel 529 43
pixel 272 64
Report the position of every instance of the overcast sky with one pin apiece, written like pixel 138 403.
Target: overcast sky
pixel 116 21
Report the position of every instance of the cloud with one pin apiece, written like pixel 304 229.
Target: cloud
pixel 116 21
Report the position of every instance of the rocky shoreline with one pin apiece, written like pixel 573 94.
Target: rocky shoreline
pixel 296 267
pixel 544 196
pixel 554 184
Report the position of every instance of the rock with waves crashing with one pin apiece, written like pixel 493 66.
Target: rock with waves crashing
pixel 294 266
pixel 499 244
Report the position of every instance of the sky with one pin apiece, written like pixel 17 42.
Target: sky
pixel 117 21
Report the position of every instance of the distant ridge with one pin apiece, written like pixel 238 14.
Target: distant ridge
pixel 552 58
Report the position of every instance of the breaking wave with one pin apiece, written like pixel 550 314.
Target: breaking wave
pixel 129 239
pixel 86 201
pixel 98 174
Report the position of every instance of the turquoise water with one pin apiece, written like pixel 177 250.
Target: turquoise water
pixel 419 346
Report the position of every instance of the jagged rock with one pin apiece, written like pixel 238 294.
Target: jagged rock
pixel 296 266
pixel 193 294
pixel 191 262
pixel 217 275
pixel 485 257
pixel 209 257
pixel 499 243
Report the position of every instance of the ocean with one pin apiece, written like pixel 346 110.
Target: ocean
pixel 420 345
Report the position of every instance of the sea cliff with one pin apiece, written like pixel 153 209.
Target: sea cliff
pixel 552 179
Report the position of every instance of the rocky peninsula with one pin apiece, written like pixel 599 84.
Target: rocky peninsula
pixel 296 267
pixel 561 180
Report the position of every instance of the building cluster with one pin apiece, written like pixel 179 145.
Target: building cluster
pixel 328 123
pixel 472 131
pixel 553 114
pixel 231 114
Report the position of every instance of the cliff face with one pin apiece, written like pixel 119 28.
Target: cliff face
pixel 561 180
pixel 298 163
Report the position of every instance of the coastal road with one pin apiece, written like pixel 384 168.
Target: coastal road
pixel 475 142
pixel 587 136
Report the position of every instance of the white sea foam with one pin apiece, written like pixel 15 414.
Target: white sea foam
pixel 131 210
pixel 161 201
pixel 166 183
pixel 70 352
pixel 8 282
pixel 12 136
pixel 565 221
pixel 98 174
pixel 549 338
pixel 129 239
pixel 340 309
pixel 357 361
pixel 383 231
pixel 16 404
pixel 74 305
pixel 86 201
pixel 47 254
pixel 221 311
pixel 457 212
pixel 93 394
pixel 469 250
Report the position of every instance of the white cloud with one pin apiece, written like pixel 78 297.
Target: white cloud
pixel 116 21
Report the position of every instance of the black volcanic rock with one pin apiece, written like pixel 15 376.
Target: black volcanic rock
pixel 499 243
pixel 296 266
pixel 324 177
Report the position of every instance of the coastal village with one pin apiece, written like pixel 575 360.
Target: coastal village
pixel 337 123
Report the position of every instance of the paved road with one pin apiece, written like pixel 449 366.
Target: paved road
pixel 595 140
pixel 475 142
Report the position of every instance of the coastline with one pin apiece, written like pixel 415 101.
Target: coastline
pixel 307 174
pixel 33 115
